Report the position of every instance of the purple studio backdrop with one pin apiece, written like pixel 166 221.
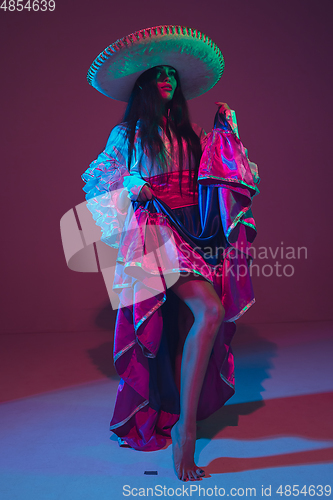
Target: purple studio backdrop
pixel 53 124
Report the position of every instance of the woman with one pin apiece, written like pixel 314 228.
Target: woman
pixel 154 160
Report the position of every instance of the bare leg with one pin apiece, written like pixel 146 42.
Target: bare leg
pixel 185 321
pixel 201 298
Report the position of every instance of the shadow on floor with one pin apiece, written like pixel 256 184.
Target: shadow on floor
pixel 303 419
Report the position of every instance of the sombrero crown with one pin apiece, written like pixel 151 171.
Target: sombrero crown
pixel 193 54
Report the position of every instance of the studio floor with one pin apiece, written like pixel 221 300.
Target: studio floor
pixel 57 394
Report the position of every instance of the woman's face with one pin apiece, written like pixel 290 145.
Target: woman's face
pixel 166 82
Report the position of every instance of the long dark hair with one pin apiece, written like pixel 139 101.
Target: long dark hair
pixel 147 107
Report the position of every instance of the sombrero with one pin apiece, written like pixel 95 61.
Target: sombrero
pixel 193 54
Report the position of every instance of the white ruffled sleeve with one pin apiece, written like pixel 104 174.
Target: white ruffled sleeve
pixel 104 183
pixel 117 146
pixel 107 180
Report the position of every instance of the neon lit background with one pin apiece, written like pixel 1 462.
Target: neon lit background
pixel 278 78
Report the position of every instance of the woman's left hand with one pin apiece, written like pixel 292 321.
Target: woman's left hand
pixel 146 193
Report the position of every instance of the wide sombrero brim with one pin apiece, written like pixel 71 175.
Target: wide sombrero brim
pixel 193 54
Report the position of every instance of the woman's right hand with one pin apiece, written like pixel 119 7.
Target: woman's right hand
pixel 224 109
pixel 145 194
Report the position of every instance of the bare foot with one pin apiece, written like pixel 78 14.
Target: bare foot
pixel 183 447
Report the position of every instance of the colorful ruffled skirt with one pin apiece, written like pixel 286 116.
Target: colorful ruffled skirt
pixel 159 241
pixel 159 245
